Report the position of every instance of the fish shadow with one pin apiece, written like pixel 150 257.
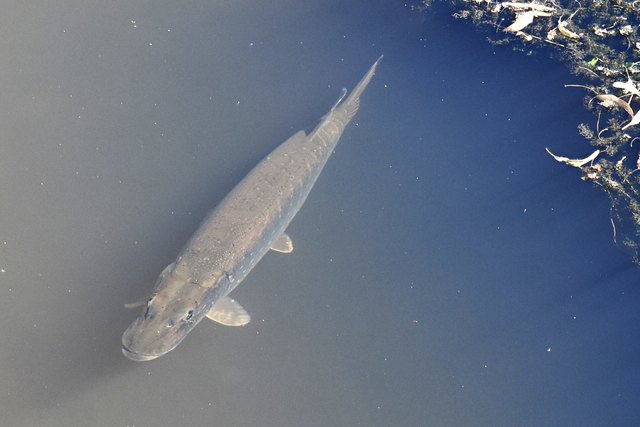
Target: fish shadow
pixel 72 346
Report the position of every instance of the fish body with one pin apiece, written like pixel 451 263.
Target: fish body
pixel 248 222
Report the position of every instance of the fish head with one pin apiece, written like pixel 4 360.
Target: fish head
pixel 173 310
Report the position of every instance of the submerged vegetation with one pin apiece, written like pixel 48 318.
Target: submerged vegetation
pixel 598 39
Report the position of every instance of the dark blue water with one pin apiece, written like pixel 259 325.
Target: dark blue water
pixel 446 271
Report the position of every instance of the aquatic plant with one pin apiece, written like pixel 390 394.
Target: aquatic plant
pixel 599 41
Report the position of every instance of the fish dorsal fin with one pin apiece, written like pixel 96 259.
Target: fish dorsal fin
pixel 343 93
pixel 229 313
pixel 327 116
pixel 283 244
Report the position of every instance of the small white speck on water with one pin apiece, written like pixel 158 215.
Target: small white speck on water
pixel 2 270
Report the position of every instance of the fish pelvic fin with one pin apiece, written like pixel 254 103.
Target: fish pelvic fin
pixel 228 312
pixel 283 244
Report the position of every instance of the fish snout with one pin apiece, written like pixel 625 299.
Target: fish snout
pixel 147 340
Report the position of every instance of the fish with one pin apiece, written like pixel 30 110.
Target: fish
pixel 249 222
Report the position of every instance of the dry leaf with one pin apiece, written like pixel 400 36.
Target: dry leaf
pixel 562 27
pixel 627 86
pixel 612 101
pixel 523 19
pixel 527 6
pixel 634 121
pixel 576 163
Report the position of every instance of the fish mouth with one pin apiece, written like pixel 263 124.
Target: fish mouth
pixel 138 357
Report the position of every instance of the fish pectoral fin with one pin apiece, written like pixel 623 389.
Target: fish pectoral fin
pixel 283 244
pixel 167 270
pixel 229 313
pixel 135 304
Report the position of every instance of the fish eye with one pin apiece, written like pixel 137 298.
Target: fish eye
pixel 189 315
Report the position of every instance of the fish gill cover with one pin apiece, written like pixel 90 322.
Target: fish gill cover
pixel 598 40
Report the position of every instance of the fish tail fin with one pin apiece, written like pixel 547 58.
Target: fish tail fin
pixel 352 103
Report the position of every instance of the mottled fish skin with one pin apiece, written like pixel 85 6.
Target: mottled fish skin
pixel 237 234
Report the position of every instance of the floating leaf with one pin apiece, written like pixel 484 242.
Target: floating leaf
pixel 576 163
pixel 627 86
pixel 562 27
pixel 527 6
pixel 523 19
pixel 593 62
pixel 612 101
pixel 634 121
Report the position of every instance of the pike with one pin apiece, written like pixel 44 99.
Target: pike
pixel 249 221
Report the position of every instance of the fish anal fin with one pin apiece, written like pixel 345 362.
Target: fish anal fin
pixel 229 313
pixel 283 244
pixel 352 108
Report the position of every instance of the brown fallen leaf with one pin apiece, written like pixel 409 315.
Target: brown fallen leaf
pixel 565 31
pixel 612 101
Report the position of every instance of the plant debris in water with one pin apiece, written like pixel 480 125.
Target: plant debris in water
pixel 599 41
